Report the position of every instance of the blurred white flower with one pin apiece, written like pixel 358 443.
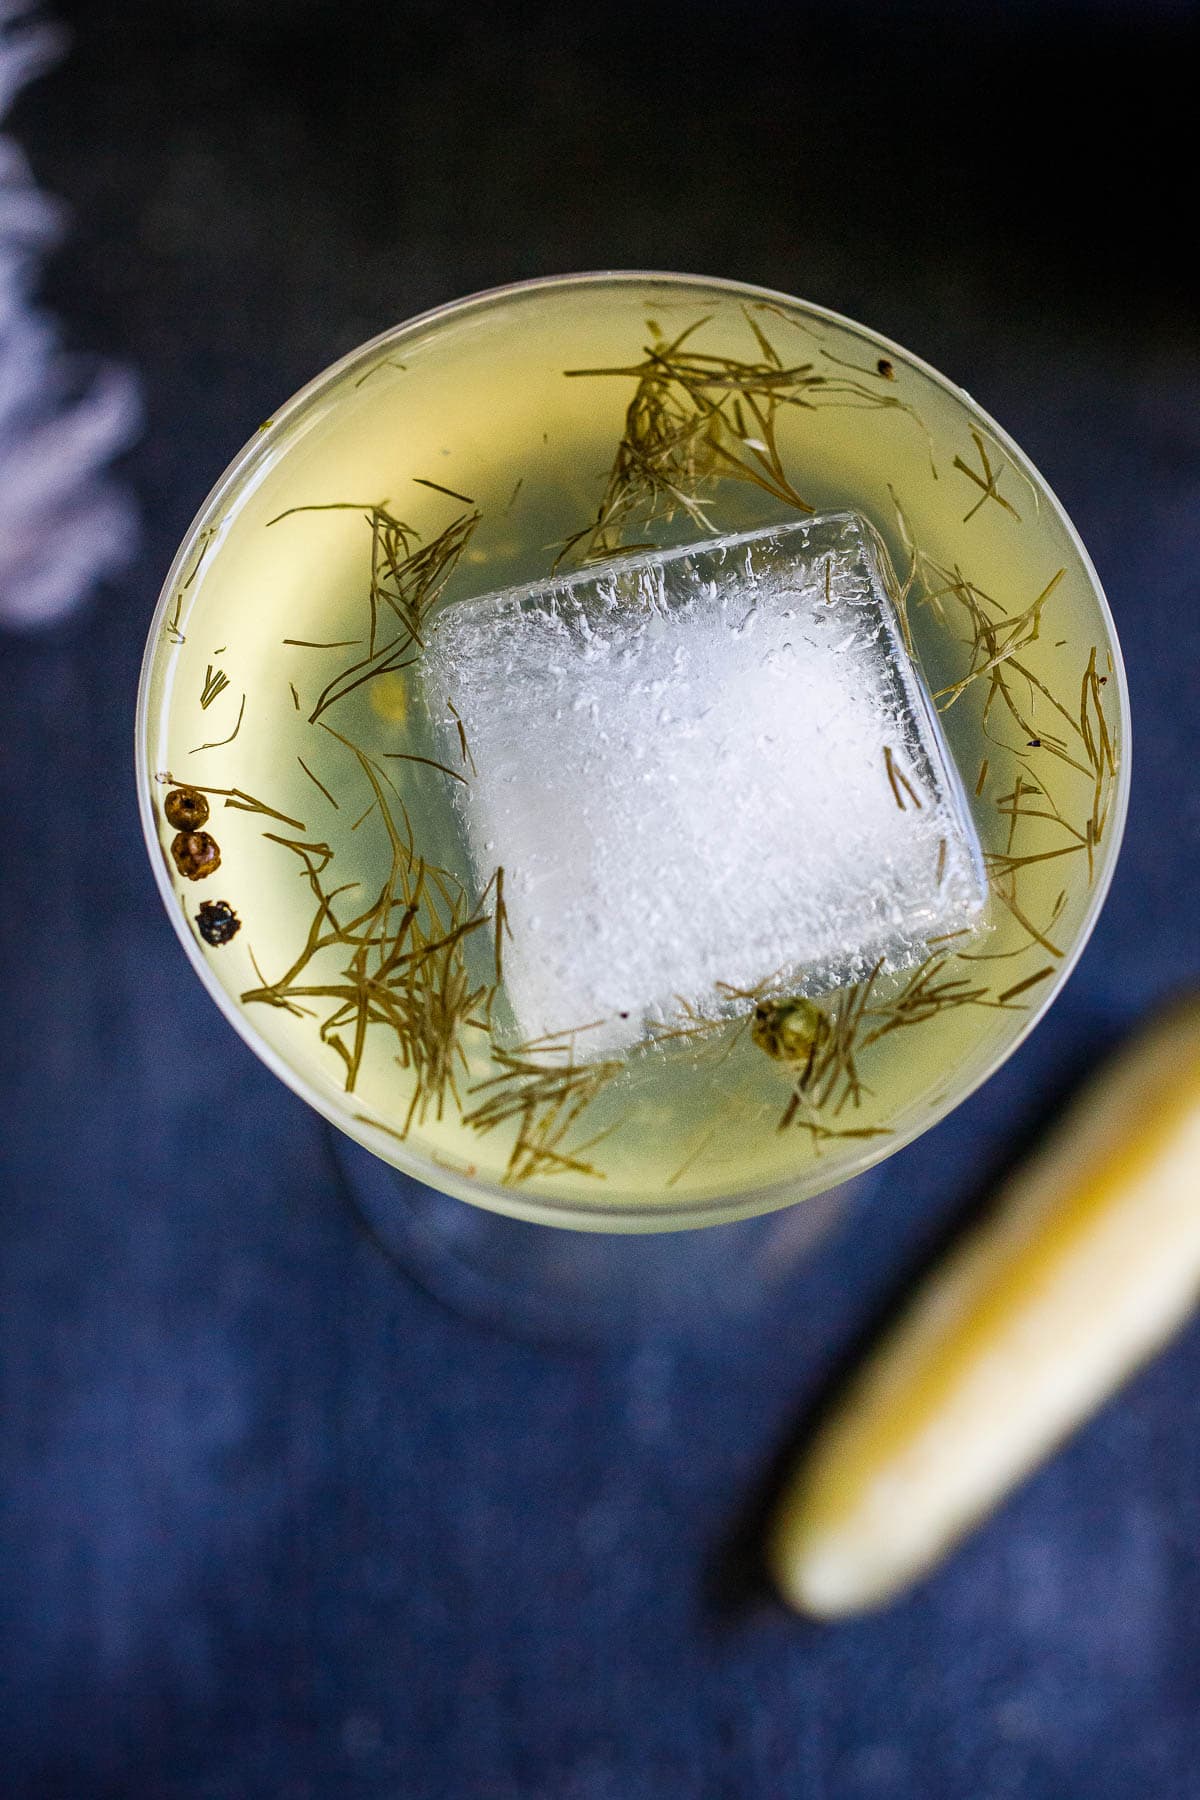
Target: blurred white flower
pixel 64 523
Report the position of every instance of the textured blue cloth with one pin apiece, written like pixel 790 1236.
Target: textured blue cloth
pixel 278 1526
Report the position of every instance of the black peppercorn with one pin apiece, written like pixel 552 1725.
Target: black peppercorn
pixel 217 922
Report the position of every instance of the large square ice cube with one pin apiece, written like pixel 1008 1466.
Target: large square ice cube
pixel 715 764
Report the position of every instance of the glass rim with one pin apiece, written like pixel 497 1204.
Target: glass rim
pixel 517 1203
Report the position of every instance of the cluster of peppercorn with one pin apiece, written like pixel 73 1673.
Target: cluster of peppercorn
pixel 197 855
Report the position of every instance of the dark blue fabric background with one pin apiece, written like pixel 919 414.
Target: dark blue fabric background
pixel 278 1527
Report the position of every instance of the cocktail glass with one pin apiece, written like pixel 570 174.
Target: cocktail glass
pixel 1008 621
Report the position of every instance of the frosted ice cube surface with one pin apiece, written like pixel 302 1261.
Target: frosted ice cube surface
pixel 702 769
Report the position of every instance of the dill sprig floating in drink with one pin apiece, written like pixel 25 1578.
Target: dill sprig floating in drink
pixel 829 1079
pixel 385 362
pixel 214 684
pixel 696 418
pixel 544 1091
pixel 318 783
pixel 201 548
pixel 898 781
pixel 995 640
pixel 693 417
pixel 219 743
pixel 986 481
pixel 1100 748
pixel 398 964
pixel 406 581
pixel 1080 739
